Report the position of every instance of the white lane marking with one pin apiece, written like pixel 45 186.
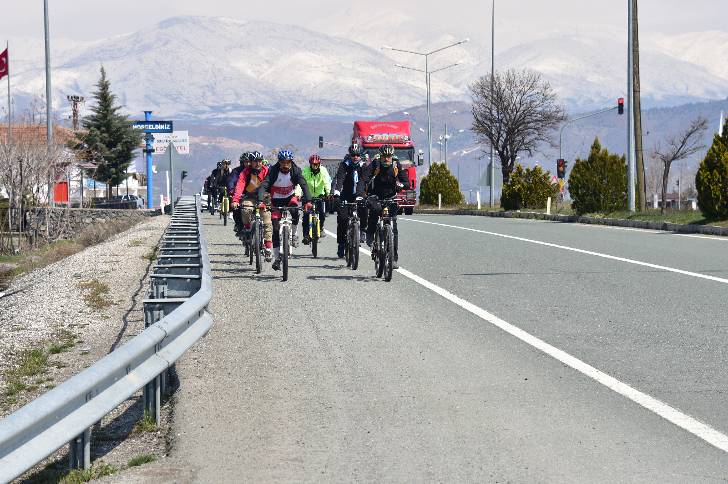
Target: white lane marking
pixel 684 421
pixel 707 237
pixel 581 251
pixel 672 415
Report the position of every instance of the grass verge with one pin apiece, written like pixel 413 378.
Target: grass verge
pixel 28 373
pixel 12 266
pixel 146 424
pixel 141 460
pixel 96 294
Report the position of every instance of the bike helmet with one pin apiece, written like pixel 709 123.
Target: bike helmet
pixel 285 155
pixel 226 161
pixel 386 150
pixel 255 156
pixel 354 150
pixel 265 162
pixel 314 159
pixel 244 157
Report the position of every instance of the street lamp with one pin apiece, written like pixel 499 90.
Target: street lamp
pixel 427 72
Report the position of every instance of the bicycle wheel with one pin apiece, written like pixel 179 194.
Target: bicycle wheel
pixel 260 248
pixel 379 254
pixel 314 235
pixel 285 250
pixel 256 245
pixel 388 253
pixel 355 246
pixel 250 241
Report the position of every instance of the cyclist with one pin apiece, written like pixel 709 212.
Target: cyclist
pixel 222 176
pixel 278 189
pixel 245 196
pixel 212 188
pixel 319 184
pixel 385 179
pixel 232 181
pixel 348 176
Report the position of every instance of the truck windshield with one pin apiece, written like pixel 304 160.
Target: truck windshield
pixel 405 155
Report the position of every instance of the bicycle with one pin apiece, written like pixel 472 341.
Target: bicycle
pixel 351 246
pixel 285 236
pixel 254 241
pixel 383 246
pixel 224 206
pixel 314 226
pixel 211 201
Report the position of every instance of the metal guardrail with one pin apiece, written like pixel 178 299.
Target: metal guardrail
pixel 176 318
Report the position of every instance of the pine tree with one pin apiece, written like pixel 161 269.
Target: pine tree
pixel 108 139
pixel 440 180
pixel 599 183
pixel 528 188
pixel 711 181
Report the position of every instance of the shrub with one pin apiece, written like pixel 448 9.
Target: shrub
pixel 711 181
pixel 599 183
pixel 440 180
pixel 528 188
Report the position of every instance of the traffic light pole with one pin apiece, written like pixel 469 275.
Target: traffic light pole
pixel 569 121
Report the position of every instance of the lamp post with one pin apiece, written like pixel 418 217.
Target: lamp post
pixel 428 75
pixel 427 72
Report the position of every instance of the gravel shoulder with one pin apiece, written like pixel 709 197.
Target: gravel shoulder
pixel 68 315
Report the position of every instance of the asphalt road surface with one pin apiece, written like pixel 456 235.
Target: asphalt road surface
pixel 504 351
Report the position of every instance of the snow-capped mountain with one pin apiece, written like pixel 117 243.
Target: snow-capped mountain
pixel 225 70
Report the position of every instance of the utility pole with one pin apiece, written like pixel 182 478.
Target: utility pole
pixel 445 144
pixel 640 165
pixel 492 81
pixel 630 123
pixel 75 101
pixel 49 121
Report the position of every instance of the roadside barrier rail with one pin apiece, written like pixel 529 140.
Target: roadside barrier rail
pixel 176 317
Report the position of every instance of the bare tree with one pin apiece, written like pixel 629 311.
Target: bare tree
pixel 517 115
pixel 653 176
pixel 679 147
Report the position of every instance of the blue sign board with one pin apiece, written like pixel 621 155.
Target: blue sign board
pixel 154 126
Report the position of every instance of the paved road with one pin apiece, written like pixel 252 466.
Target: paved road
pixel 301 381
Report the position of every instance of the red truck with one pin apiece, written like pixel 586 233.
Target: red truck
pixel 370 135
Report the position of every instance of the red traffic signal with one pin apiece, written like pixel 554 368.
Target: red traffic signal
pixel 561 168
pixel 620 105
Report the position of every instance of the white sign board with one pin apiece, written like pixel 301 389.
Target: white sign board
pixel 180 139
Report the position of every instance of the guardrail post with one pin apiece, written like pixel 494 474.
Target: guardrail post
pixel 79 451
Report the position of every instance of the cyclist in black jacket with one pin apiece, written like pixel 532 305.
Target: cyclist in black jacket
pixel 385 178
pixel 348 176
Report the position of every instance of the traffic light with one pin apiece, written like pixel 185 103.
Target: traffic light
pixel 184 175
pixel 620 105
pixel 561 168
pixel 321 141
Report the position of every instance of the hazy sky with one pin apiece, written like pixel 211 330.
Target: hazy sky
pixel 94 19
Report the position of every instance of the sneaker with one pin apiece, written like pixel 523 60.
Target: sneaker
pixel 268 255
pixel 277 265
pixel 395 264
pixel 294 241
pixel 322 234
pixel 306 241
pixel 340 250
pixel 362 237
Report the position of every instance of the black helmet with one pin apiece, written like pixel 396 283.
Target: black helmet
pixel 244 157
pixel 386 150
pixel 354 150
pixel 255 156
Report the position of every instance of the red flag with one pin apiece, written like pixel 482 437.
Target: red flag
pixel 4 64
